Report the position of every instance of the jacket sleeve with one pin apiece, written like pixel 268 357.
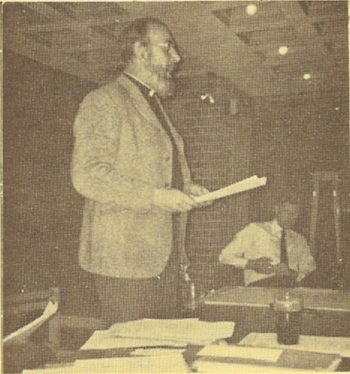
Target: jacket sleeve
pixel 234 252
pixel 94 169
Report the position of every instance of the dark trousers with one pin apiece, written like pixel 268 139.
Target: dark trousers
pixel 127 299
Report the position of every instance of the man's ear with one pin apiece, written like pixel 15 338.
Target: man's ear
pixel 140 50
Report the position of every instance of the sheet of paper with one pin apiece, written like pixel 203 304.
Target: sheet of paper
pixel 26 330
pixel 322 344
pixel 244 185
pixel 146 364
pixel 189 330
pixel 106 340
pixel 262 354
pixel 221 367
pixel 157 352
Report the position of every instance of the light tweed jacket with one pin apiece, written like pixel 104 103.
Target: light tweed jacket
pixel 121 155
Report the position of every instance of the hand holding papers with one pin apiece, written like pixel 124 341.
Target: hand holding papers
pixel 244 185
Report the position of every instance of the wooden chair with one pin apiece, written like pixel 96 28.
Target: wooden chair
pixel 21 348
pixel 29 303
pixel 20 351
pixel 32 303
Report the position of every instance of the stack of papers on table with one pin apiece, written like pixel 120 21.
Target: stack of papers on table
pixel 218 358
pixel 322 344
pixel 171 363
pixel 160 332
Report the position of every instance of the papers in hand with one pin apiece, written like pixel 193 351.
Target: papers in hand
pixel 244 185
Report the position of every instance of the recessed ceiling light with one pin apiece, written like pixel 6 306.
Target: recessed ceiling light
pixel 251 9
pixel 306 76
pixel 283 50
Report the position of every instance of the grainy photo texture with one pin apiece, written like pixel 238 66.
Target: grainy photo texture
pixel 119 120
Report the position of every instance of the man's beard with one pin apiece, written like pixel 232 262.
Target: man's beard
pixel 166 86
pixel 163 82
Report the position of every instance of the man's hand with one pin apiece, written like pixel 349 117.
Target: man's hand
pixel 282 270
pixel 173 200
pixel 261 265
pixel 198 190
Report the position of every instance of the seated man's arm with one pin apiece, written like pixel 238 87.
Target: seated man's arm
pixel 306 261
pixel 237 252
pixel 233 253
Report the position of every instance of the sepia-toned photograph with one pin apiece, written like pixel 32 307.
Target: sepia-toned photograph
pixel 175 187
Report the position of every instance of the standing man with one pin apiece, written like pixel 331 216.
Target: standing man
pixel 129 164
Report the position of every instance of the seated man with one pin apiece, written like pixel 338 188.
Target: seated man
pixel 271 254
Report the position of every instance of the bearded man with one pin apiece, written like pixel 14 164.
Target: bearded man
pixel 130 166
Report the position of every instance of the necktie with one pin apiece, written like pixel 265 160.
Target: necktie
pixel 284 255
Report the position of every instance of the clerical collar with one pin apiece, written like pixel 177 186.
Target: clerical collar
pixel 151 90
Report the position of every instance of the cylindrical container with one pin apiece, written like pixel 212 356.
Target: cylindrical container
pixel 288 318
pixel 189 296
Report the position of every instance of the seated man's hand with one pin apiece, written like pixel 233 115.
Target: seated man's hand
pixel 261 265
pixel 173 200
pixel 282 270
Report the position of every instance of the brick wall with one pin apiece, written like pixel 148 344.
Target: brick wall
pixel 218 151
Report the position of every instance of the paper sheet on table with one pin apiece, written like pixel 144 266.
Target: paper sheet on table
pixel 136 364
pixel 188 330
pixel 321 344
pixel 244 185
pixel 221 367
pixel 106 340
pixel 26 330
pixel 252 353
pixel 211 357
pixel 147 364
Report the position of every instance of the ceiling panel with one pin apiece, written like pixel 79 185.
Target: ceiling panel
pixel 325 8
pixel 272 37
pixel 237 18
pixel 81 38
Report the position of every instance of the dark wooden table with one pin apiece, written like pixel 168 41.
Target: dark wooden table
pixel 327 312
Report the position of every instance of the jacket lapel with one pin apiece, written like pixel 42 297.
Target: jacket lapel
pixel 142 106
pixel 140 102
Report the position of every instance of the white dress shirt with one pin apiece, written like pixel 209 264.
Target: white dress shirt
pixel 263 239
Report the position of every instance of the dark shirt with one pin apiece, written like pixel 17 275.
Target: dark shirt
pixel 177 177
